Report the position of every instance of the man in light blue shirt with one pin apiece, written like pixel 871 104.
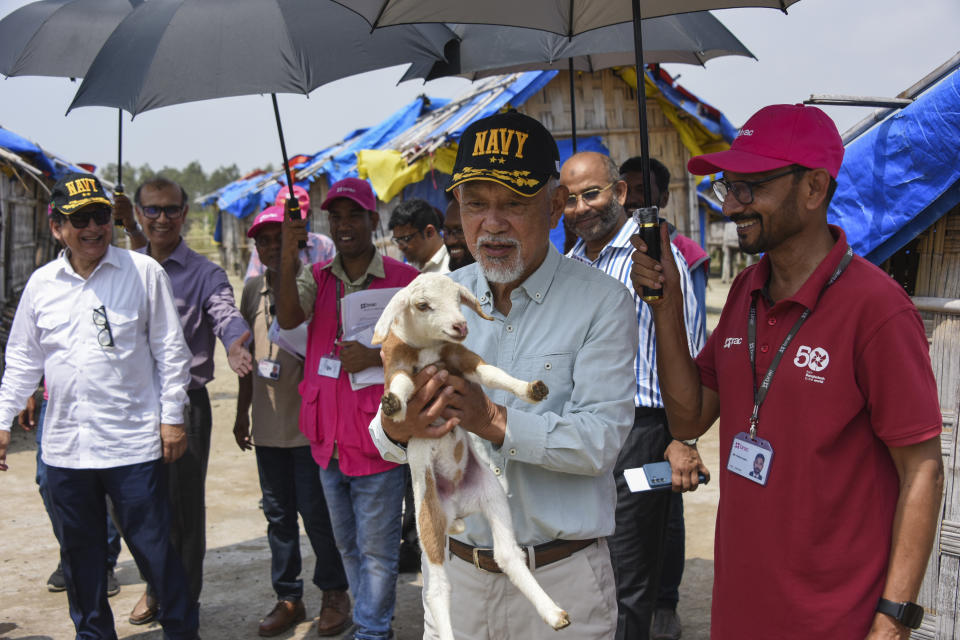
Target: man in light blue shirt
pixel 555 320
pixel 595 211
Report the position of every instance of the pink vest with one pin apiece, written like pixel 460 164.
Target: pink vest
pixel 331 411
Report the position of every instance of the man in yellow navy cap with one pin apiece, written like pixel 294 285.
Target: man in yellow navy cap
pixel 100 325
pixel 555 320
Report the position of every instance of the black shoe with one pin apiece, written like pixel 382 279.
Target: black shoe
pixel 409 557
pixel 56 582
pixel 113 585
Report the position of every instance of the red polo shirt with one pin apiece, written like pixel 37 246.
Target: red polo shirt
pixel 805 556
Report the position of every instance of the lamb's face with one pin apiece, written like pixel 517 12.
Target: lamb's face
pixel 433 311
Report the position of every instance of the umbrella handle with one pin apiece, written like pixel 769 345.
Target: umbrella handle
pixel 119 187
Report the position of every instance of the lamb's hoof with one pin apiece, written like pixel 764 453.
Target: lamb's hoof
pixel 537 391
pixel 391 406
pixel 457 526
pixel 559 620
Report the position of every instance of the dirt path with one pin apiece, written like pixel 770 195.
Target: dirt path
pixel 237 591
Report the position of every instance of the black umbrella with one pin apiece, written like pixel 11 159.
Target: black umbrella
pixel 60 38
pixel 483 50
pixel 564 17
pixel 174 51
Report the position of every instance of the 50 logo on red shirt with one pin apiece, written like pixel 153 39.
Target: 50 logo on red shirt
pixel 814 358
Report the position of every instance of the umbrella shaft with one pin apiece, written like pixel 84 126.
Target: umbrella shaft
pixel 642 105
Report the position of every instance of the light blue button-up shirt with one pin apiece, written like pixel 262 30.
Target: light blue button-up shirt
pixel 573 327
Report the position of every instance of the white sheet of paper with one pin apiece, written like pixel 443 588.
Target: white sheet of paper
pixel 293 341
pixel 636 479
pixel 360 312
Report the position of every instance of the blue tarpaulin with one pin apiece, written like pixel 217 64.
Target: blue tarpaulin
pixel 30 151
pixel 902 175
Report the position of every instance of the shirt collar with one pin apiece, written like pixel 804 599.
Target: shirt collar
pixel 538 283
pixel 436 258
pixel 180 254
pixel 809 292
pixel 110 257
pixel 375 268
pixel 619 241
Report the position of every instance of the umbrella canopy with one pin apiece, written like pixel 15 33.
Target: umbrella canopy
pixel 482 50
pixel 174 51
pixel 58 38
pixel 565 17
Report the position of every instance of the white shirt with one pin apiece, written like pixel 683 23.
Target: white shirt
pixel 105 403
pixel 439 262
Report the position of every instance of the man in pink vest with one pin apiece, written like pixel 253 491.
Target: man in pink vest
pixel 364 492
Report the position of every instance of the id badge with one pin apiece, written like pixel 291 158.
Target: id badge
pixel 750 458
pixel 329 366
pixel 268 368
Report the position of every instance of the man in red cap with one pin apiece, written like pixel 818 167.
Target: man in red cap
pixel 319 247
pixel 363 491
pixel 819 363
pixel 289 476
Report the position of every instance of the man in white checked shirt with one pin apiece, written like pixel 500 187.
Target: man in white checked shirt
pixel 100 325
pixel 594 210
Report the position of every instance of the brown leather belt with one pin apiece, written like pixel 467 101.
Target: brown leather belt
pixel 543 554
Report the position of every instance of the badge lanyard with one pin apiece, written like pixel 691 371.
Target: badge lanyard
pixel 336 348
pixel 267 315
pixel 760 394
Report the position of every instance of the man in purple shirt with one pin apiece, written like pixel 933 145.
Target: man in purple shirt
pixel 207 311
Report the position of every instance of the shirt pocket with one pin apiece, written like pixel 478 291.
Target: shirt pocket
pixel 53 328
pixel 123 327
pixel 554 369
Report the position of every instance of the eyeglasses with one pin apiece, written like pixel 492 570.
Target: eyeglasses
pixel 589 196
pixel 742 190
pixel 99 215
pixel 172 211
pixel 453 232
pixel 105 335
pixel 402 241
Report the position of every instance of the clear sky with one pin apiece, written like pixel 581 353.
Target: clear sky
pixel 851 47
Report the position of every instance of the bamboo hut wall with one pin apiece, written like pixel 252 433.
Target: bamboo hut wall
pixel 607 107
pixel 930 268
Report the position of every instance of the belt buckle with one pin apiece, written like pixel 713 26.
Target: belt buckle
pixel 476 558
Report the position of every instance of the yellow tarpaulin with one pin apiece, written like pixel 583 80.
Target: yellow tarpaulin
pixel 389 173
pixel 693 135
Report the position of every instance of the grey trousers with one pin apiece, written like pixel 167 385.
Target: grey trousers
pixel 187 480
pixel 487 605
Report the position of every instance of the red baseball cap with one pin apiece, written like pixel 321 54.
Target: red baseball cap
pixel 353 188
pixel 268 215
pixel 299 193
pixel 775 137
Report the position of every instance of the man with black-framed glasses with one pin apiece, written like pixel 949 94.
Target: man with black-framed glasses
pixel 820 364
pixel 207 311
pixel 416 231
pixel 100 325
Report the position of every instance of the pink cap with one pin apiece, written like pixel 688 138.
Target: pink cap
pixel 777 136
pixel 299 193
pixel 268 215
pixel 354 188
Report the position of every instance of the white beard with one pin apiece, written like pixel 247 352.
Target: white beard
pixel 500 271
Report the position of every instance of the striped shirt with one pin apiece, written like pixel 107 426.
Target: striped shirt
pixel 614 260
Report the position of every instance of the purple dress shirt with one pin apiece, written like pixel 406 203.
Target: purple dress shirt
pixel 206 307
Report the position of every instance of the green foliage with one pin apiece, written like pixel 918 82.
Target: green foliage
pixel 192 177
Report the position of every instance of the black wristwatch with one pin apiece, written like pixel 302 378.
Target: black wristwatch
pixel 909 614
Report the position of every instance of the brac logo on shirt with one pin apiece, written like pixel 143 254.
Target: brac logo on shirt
pixel 729 342
pixel 815 359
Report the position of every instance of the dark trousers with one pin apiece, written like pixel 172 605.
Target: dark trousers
pixel 187 479
pixel 113 536
pixel 138 492
pixel 408 526
pixel 290 482
pixel 637 543
pixel 674 551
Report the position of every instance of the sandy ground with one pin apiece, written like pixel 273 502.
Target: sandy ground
pixel 237 591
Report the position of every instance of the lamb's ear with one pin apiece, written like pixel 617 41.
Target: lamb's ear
pixel 470 300
pixel 393 309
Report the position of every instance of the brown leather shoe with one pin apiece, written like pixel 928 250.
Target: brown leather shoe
pixel 285 614
pixel 334 614
pixel 145 610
